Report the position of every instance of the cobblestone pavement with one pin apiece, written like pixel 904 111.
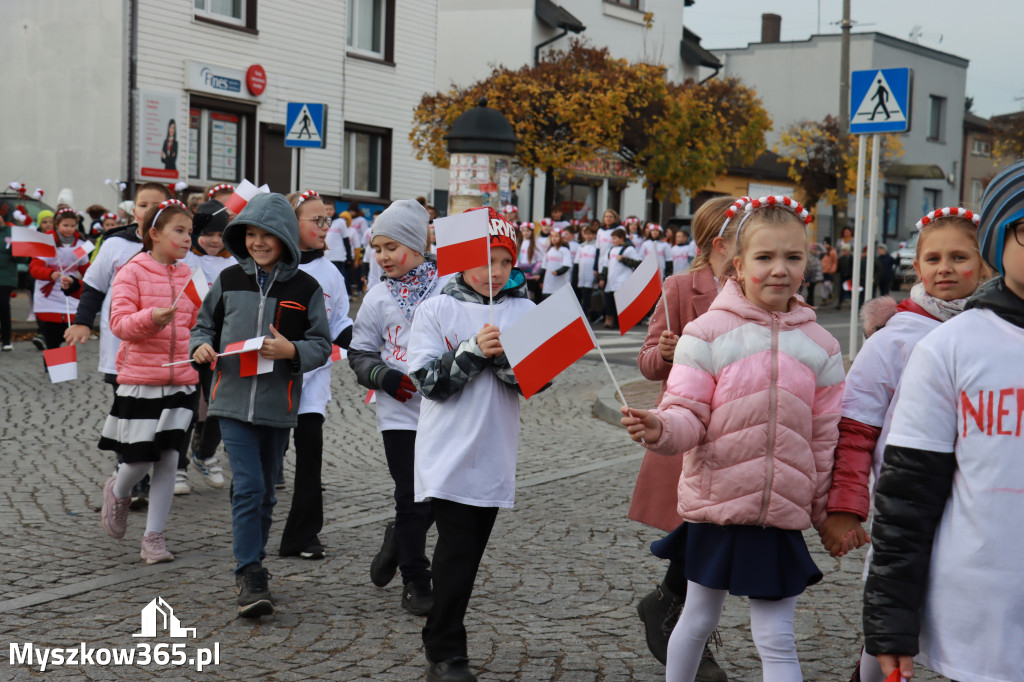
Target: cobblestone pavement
pixel 555 598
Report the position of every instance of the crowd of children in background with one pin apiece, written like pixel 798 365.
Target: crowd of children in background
pixel 748 377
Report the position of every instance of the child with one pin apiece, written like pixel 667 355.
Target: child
pixel 950 268
pixel 656 245
pixel 154 405
pixel 683 251
pixel 632 225
pixel 208 224
pixel 687 296
pixel 622 260
pixel 457 362
pixel 44 220
pixel 944 581
pixel 609 223
pixel 8 283
pixel 58 280
pixel 378 354
pixel 264 295
pixel 306 516
pixel 753 402
pixel 556 267
pixel 586 261
pixel 531 257
pixel 844 273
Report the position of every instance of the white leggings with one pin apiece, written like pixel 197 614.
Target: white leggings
pixel 771 623
pixel 161 486
pixel 870 668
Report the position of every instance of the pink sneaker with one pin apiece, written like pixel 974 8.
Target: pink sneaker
pixel 154 551
pixel 115 511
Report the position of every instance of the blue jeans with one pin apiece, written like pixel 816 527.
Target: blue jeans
pixel 253 452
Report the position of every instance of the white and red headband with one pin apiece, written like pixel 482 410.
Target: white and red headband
pixel 108 216
pixel 66 212
pixel 949 211
pixel 167 204
pixel 308 194
pixel 224 187
pixel 748 206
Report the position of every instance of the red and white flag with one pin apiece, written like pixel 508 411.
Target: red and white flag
pixel 251 362
pixel 371 397
pixel 61 363
pixel 639 293
pixel 28 243
pixel 463 241
pixel 546 340
pixel 84 249
pixel 197 287
pixel 242 195
pixel 338 353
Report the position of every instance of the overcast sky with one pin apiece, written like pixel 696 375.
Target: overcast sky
pixel 989 33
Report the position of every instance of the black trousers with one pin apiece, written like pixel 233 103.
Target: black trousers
pixel 412 519
pixel 5 315
pixel 208 439
pixel 462 534
pixel 53 333
pixel 306 516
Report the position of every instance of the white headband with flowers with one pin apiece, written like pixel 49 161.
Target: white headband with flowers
pixel 955 211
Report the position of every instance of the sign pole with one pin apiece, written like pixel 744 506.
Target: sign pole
pixel 872 217
pixel 858 219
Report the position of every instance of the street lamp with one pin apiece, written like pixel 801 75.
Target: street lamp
pixel 481 144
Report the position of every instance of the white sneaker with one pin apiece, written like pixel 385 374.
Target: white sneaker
pixel 210 469
pixel 181 486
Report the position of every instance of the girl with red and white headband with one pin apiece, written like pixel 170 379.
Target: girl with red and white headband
pixel 949 267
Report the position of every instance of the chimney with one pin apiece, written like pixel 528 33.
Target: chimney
pixel 771 28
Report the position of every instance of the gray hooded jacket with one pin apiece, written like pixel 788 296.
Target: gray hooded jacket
pixel 236 309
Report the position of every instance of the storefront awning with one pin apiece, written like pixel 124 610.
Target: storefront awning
pixel 557 16
pixel 916 171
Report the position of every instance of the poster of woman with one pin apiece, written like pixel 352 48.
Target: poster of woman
pixel 158 135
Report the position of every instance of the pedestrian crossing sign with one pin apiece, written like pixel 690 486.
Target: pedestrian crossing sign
pixel 304 124
pixel 880 101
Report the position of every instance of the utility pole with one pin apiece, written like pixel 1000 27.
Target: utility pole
pixel 844 117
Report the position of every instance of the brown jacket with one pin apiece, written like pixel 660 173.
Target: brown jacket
pixel 689 296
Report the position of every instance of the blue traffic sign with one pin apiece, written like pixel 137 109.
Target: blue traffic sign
pixel 304 124
pixel 880 101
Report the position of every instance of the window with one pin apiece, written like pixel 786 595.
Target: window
pixel 977 190
pixel 891 211
pixel 634 4
pixel 981 148
pixel 367 164
pixel 937 120
pixel 231 13
pixel 932 200
pixel 220 141
pixel 371 29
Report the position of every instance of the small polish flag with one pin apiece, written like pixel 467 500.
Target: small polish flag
pixel 197 287
pixel 243 193
pixel 338 353
pixel 462 241
pixel 84 249
pixel 61 363
pixel 29 243
pixel 639 293
pixel 546 340
pixel 371 397
pixel 251 362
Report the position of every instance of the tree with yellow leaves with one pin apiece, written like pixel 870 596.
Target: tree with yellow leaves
pixel 815 158
pixel 581 105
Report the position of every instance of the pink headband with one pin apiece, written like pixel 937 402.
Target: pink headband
pixel 954 211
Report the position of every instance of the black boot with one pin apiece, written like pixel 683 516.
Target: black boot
pixel 659 611
pixel 254 598
pixel 453 670
pixel 708 670
pixel 384 565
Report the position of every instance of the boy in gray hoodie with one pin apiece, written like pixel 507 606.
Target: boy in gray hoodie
pixel 264 295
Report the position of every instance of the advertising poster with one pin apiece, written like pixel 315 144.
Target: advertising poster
pixel 159 141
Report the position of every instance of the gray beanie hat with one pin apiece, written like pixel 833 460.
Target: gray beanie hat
pixel 405 221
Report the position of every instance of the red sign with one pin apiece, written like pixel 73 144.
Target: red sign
pixel 256 80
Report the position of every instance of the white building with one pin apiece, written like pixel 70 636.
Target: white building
pixel 474 36
pixel 799 80
pixel 100 82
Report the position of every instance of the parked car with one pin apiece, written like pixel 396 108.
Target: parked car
pixel 11 200
pixel 905 260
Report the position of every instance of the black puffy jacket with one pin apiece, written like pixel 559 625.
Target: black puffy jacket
pixel 913 489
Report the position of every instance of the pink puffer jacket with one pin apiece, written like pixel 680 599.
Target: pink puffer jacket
pixel 140 286
pixel 753 400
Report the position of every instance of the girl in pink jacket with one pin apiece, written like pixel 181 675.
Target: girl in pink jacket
pixel 753 401
pixel 155 401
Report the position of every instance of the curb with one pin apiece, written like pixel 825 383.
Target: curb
pixel 606 407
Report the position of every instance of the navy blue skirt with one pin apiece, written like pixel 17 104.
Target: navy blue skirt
pixel 749 561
